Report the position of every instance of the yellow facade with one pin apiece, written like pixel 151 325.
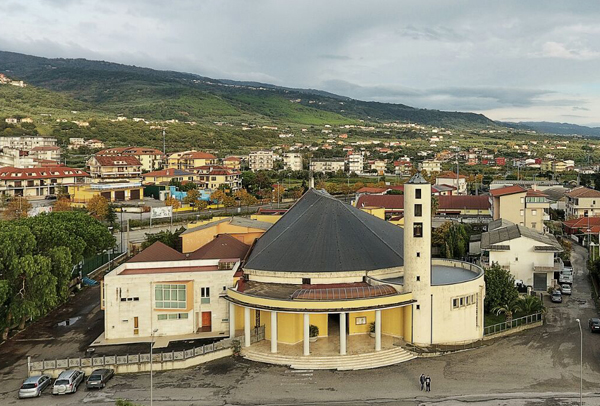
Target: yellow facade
pixel 83 193
pixel 267 218
pixel 197 238
pixel 358 317
pixel 392 322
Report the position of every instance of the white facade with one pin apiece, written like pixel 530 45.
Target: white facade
pixel 261 160
pixel 27 143
pixel 134 298
pixel 356 163
pixel 292 161
pixel 327 165
pixel 431 166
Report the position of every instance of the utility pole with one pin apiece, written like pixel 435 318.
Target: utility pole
pixel 164 143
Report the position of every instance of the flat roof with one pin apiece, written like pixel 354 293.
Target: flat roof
pixel 443 275
pixel 143 271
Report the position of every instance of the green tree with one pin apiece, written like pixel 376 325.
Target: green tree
pixel 17 208
pixel 500 288
pixel 166 237
pixel 192 197
pixel 452 239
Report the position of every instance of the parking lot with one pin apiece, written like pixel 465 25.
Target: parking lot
pixel 538 366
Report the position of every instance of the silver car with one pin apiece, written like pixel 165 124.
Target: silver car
pixel 565 289
pixel 34 386
pixel 68 382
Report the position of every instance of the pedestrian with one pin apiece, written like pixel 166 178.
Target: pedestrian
pixel 422 380
pixel 428 383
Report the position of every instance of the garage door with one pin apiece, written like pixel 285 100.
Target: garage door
pixel 120 195
pixel 135 194
pixel 105 195
pixel 540 281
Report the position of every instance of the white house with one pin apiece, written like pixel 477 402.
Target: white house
pixel 529 255
pixel 161 288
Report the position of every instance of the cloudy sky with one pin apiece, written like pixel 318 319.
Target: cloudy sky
pixel 511 60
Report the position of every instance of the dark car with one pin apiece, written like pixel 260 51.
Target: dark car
pixel 556 296
pixel 51 197
pixel 594 325
pixel 98 378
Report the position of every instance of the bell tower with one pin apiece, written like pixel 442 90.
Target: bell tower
pixel 417 255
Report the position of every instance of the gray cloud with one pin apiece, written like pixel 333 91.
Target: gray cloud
pixel 491 57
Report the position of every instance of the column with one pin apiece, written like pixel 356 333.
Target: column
pixel 342 333
pixel 377 330
pixel 306 334
pixel 273 332
pixel 246 327
pixel 231 320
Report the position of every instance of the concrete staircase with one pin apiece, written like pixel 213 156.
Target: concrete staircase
pixel 341 363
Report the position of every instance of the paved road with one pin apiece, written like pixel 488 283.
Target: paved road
pixel 536 367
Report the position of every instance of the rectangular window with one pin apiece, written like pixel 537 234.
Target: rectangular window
pixel 306 281
pixel 534 212
pixel 173 316
pixel 417 193
pixel 522 212
pixel 418 210
pixel 455 303
pixel 533 224
pixel 168 296
pixel 205 295
pixel 462 301
pixel 418 230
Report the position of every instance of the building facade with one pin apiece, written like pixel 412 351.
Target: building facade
pixel 292 161
pixel 526 207
pixel 356 163
pixel 38 182
pixel 108 168
pixel 582 202
pixel 261 160
pixel 327 165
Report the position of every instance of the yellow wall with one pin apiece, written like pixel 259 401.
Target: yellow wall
pixel 319 320
pixel 378 212
pixel 267 218
pixel 361 328
pixel 291 328
pixel 196 239
pixel 392 322
pixel 239 318
pixel 407 317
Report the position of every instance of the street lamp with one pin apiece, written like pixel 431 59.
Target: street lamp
pixel 580 363
pixel 151 345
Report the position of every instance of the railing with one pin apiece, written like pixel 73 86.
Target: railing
pixel 507 325
pixel 91 264
pixel 114 360
pixel 258 334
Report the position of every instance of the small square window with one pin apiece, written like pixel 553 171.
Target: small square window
pixel 418 230
pixel 418 279
pixel 418 307
pixel 455 303
pixel 418 255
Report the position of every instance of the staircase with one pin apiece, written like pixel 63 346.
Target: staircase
pixel 339 362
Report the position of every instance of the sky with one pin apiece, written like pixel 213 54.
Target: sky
pixel 536 60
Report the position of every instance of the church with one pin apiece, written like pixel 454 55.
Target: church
pixel 329 279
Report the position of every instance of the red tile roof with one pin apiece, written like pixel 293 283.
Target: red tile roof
pixel 582 222
pixel 508 190
pixel 450 175
pixel 468 202
pixel 111 151
pixel 232 158
pixel 223 246
pixel 112 160
pixel 385 201
pixel 198 155
pixel 142 151
pixel 367 189
pixel 535 193
pixel 583 192
pixel 168 172
pixel 48 148
pixel 9 172
pixel 158 252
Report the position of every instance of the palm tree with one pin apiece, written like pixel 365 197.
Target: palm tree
pixel 531 305
pixel 508 309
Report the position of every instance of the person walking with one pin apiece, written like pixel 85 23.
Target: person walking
pixel 422 380
pixel 428 383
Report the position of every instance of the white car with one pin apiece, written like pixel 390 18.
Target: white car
pixel 565 289
pixel 68 382
pixel 566 276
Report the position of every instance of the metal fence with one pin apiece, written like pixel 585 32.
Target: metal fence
pixel 113 360
pixel 507 325
pixel 89 265
pixel 257 334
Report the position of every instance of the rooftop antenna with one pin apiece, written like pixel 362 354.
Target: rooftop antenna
pixel 164 143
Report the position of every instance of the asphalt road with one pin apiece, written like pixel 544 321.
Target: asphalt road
pixel 535 367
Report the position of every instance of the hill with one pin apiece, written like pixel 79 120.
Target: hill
pixel 110 88
pixel 556 128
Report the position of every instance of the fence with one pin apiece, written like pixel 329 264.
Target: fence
pixel 507 325
pixel 91 264
pixel 257 334
pixel 116 361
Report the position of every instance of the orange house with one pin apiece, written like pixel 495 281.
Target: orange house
pixel 243 229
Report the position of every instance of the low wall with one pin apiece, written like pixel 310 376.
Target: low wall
pixel 513 330
pixel 134 363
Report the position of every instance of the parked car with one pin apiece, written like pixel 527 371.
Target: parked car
pixel 565 277
pixel 556 296
pixel 34 386
pixel 565 289
pixel 51 197
pixel 594 325
pixel 98 378
pixel 68 382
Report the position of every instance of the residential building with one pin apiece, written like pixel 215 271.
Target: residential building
pixel 526 207
pixel 356 163
pixel 261 160
pixel 431 165
pixel 327 165
pixel 17 158
pixel 164 290
pixel 168 175
pixel 378 166
pixel 26 143
pixel 187 160
pixel 233 162
pixel 38 182
pixel 150 158
pixel 351 273
pixel 541 185
pixel 106 168
pixel 583 202
pixel 213 176
pixel 48 153
pixel 530 256
pixel 292 161
pixel 452 179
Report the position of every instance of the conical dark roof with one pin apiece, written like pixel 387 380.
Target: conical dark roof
pixel 322 234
